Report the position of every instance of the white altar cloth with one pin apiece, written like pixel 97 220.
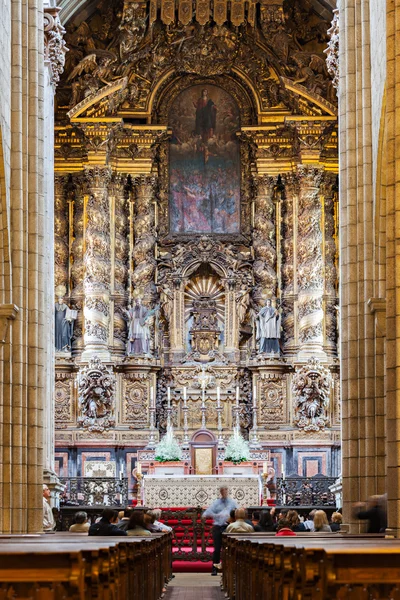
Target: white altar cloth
pixel 199 490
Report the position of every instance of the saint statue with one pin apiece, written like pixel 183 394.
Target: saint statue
pixel 63 326
pixel 268 329
pixel 206 116
pixel 138 329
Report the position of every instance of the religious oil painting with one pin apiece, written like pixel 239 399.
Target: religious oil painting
pixel 204 162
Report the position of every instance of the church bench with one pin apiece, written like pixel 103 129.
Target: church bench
pixel 111 568
pixel 318 567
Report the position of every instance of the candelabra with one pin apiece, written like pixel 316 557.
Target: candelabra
pixel 203 410
pixel 139 478
pixel 253 437
pixel 265 489
pixel 221 444
pixel 185 442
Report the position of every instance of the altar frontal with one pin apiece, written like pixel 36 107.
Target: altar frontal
pixel 196 490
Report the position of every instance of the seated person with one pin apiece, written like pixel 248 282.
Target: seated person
pixel 156 525
pixel 266 523
pixel 294 520
pixel 124 520
pixel 81 524
pixel 137 525
pixel 107 524
pixel 284 528
pixel 336 521
pixel 240 525
pixel 321 522
pixel 255 520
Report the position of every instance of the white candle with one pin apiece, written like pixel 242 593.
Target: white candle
pixel 169 396
pixel 218 397
pixel 139 468
pixel 237 394
pixel 283 472
pixel 255 395
pixel 265 467
pixel 151 397
pixel 184 394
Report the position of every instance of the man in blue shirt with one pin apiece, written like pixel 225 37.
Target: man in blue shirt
pixel 219 512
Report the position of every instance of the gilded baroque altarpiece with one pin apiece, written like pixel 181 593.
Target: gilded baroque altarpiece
pixel 196 178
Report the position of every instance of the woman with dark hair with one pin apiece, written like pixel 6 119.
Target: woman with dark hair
pixel 265 523
pixel 136 525
pixel 294 520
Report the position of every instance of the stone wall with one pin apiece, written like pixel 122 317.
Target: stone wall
pixel 23 283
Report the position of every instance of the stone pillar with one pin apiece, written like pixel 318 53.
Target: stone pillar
pixel 264 237
pixel 97 261
pixel 310 263
pixel 288 262
pixel 362 472
pixel 54 230
pixel 119 259
pixel 392 266
pixel 144 264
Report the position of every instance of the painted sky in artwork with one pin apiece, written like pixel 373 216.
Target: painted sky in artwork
pixel 204 195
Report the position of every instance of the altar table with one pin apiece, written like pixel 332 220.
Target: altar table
pixel 199 490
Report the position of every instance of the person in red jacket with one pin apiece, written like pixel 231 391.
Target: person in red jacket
pixel 284 528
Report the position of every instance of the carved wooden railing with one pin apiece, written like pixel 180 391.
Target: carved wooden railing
pixel 305 491
pixel 192 537
pixel 92 491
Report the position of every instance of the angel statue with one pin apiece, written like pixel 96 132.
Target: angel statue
pixel 93 69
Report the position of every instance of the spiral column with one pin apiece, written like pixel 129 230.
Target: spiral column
pixel 310 263
pixel 144 264
pixel 289 262
pixel 97 262
pixel 264 237
pixel 61 222
pixel 119 205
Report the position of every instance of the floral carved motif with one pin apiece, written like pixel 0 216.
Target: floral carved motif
pixel 55 47
pixel 311 390
pixel 273 400
pixel 135 403
pixel 96 396
pixel 63 410
pixel 332 51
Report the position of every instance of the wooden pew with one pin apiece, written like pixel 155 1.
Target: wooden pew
pixel 98 568
pixel 312 566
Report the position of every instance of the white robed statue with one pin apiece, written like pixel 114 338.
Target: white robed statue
pixel 268 332
pixel 138 328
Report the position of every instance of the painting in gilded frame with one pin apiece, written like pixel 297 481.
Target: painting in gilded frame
pixel 204 194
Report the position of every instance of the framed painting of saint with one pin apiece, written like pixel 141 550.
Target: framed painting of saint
pixel 204 161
